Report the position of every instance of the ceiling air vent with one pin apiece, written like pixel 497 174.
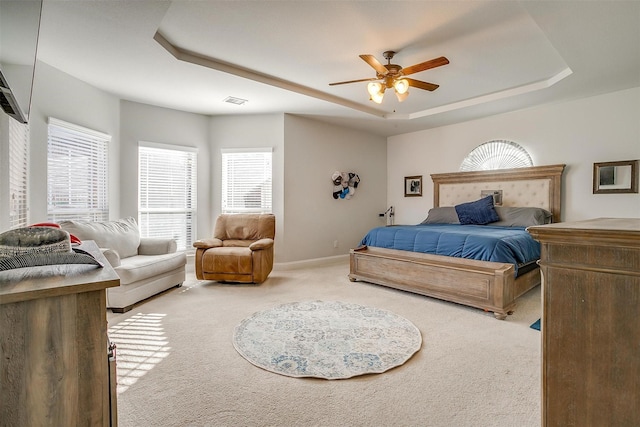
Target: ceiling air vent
pixel 234 100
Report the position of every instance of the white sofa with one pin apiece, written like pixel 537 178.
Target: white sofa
pixel 146 266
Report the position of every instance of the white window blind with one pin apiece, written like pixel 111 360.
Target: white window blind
pixel 167 192
pixel 246 180
pixel 76 173
pixel 18 174
pixel 496 154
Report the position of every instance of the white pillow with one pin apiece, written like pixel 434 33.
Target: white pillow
pixel 122 236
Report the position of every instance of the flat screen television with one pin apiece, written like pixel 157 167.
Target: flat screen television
pixel 19 28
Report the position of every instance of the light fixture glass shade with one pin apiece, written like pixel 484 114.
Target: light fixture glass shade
pixel 377 98
pixel 402 96
pixel 374 88
pixel 376 91
pixel 401 86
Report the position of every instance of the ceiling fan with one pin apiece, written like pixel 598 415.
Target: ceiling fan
pixel 393 76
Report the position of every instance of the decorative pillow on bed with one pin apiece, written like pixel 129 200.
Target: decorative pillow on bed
pixel 521 217
pixel 442 215
pixel 480 212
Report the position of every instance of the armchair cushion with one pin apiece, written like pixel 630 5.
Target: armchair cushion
pixel 230 260
pixel 244 227
pixel 236 243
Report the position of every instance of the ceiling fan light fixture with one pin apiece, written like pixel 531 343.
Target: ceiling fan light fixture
pixel 376 92
pixel 402 96
pixel 392 76
pixel 374 88
pixel 377 98
pixel 401 86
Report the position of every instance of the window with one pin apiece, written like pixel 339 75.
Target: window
pixel 18 174
pixel 14 152
pixel 167 194
pixel 76 173
pixel 246 180
pixel 496 154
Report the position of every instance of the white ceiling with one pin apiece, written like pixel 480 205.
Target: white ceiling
pixel 282 55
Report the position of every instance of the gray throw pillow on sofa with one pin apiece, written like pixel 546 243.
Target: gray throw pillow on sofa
pixel 122 236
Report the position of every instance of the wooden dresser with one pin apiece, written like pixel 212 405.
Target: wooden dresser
pixel 54 367
pixel 590 322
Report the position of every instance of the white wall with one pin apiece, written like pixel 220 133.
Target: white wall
pixel 58 95
pixel 314 219
pixel 577 133
pixel 141 122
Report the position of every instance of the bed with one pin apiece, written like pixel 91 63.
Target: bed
pixel 485 284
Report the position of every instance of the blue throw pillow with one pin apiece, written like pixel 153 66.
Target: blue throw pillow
pixel 479 212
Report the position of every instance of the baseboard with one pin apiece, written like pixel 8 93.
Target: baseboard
pixel 315 262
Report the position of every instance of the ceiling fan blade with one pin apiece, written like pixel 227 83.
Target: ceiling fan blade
pixel 437 62
pixel 371 60
pixel 422 85
pixel 353 81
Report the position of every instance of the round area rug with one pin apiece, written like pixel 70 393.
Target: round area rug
pixel 326 339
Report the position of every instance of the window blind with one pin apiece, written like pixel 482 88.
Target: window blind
pixel 76 173
pixel 18 174
pixel 496 154
pixel 167 192
pixel 247 180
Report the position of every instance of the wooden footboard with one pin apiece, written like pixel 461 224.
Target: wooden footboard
pixel 486 285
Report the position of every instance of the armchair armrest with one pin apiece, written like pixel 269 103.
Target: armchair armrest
pixel 207 243
pixel 156 246
pixel 261 244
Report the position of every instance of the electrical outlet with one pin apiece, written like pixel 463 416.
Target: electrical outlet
pixel 335 243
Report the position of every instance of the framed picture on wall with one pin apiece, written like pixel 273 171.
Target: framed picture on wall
pixel 413 186
pixel 615 177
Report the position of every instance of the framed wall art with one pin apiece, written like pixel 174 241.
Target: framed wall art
pixel 615 177
pixel 413 186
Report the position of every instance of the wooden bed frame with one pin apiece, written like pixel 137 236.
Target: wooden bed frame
pixel 490 286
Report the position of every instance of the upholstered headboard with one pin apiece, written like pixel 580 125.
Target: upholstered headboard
pixel 537 186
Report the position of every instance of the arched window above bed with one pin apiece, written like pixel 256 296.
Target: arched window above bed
pixel 496 154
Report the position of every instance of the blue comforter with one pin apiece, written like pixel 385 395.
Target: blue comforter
pixel 481 242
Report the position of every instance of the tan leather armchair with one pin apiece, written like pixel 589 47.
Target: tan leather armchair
pixel 241 249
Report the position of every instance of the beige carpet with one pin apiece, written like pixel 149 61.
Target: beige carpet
pixel 177 365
